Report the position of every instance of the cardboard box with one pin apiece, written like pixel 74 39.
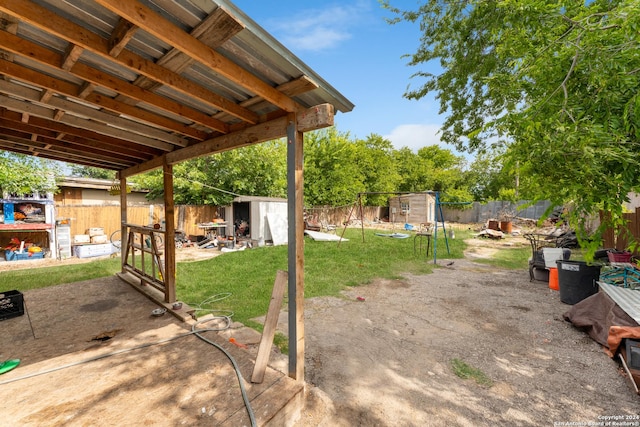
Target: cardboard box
pixel 99 239
pixel 81 238
pixel 96 231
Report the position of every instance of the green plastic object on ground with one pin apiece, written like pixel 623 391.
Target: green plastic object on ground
pixel 8 365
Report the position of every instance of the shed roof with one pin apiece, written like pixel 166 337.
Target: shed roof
pixel 126 84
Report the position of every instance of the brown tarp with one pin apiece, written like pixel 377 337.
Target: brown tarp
pixel 604 321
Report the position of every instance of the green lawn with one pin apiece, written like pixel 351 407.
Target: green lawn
pixel 241 282
pixel 509 258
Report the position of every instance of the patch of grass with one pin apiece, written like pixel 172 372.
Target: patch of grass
pixel 281 341
pixel 249 275
pixel 466 372
pixel 244 280
pixel 509 258
pixel 36 278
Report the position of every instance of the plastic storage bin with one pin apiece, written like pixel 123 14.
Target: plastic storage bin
pixel 577 280
pixel 11 304
pixel 22 256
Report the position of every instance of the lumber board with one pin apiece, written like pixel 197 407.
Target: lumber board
pixel 269 330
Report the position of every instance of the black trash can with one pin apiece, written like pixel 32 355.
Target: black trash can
pixel 577 280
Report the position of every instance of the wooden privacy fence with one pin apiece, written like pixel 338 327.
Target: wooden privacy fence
pixel 346 214
pixel 620 239
pixel 189 216
pixel 108 217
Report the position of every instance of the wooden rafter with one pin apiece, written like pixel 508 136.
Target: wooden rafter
pixel 28 108
pixel 14 130
pixel 71 56
pixel 314 118
pixel 74 34
pixel 120 36
pixel 164 30
pixel 47 57
pixel 215 30
pixel 84 137
pixel 61 148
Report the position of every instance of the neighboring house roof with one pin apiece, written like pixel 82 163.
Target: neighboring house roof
pixel 129 85
pixel 93 183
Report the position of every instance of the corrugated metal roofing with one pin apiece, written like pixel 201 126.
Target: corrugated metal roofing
pixel 628 299
pixel 119 84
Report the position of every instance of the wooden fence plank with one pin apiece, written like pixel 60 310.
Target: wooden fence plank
pixel 108 217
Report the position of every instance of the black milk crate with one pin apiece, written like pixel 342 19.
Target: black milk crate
pixel 11 304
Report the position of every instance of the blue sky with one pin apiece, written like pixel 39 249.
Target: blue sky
pixel 352 47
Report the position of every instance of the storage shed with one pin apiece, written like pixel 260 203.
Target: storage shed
pixel 413 208
pixel 258 212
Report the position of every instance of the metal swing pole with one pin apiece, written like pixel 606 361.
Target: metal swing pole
pixel 435 233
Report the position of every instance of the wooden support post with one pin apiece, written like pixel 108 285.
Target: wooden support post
pixel 295 249
pixel 169 277
pixel 361 215
pixel 270 323
pixel 123 220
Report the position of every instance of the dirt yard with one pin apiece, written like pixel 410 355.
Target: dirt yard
pixel 387 360
pixel 381 355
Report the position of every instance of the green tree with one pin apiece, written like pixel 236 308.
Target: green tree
pixel 489 178
pixel 378 168
pixel 553 82
pixel 24 175
pixel 331 173
pixel 256 170
pixel 91 172
pixel 433 168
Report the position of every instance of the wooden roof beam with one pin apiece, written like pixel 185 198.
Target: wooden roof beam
pixel 14 147
pixel 85 90
pixel 47 57
pixel 47 94
pixel 9 24
pixel 120 36
pixel 50 22
pixel 61 105
pixel 71 56
pixel 161 28
pixel 8 127
pixel 214 30
pixel 52 155
pixel 318 117
pixel 73 134
pixel 29 108
pixel 291 88
pixel 60 146
pixel 69 89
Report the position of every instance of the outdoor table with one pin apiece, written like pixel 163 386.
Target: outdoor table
pixel 211 231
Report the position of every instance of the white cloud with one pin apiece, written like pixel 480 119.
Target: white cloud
pixel 415 136
pixel 320 29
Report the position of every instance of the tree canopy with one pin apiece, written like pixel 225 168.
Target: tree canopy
pixel 91 172
pixel 553 84
pixel 336 168
pixel 24 175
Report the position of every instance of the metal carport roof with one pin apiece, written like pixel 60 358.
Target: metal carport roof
pixel 119 84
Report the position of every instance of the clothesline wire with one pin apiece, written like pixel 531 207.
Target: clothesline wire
pixel 193 181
